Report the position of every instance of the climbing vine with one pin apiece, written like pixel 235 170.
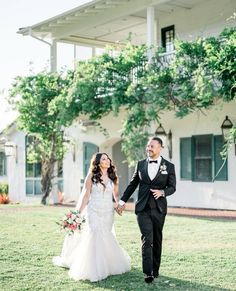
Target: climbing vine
pixel 198 75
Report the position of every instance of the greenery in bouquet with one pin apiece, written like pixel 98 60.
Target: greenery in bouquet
pixel 71 222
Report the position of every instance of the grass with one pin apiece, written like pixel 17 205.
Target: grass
pixel 198 254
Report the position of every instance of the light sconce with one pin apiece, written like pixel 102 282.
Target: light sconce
pixel 169 137
pixel 226 126
pixel 74 152
pixel 11 150
pixel 160 132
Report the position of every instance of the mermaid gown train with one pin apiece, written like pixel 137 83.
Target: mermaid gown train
pixel 95 254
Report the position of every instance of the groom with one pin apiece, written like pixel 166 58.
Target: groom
pixel 156 179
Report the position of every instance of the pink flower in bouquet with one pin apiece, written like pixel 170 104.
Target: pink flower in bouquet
pixel 72 222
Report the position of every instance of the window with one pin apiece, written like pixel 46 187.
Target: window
pixel 33 173
pixel 167 38
pixel 88 149
pixel 3 165
pixel 200 158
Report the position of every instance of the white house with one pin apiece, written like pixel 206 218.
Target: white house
pixel 196 139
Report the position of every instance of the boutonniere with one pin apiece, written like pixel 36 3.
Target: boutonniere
pixel 163 169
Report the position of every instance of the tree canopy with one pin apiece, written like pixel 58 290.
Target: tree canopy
pixel 195 77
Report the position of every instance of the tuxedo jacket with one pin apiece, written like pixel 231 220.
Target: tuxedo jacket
pixel 165 180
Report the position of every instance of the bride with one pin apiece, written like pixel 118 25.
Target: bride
pixel 94 253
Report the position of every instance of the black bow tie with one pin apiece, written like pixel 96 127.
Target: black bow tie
pixel 153 161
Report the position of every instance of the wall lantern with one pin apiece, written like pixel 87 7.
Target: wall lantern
pixel 226 126
pixel 160 132
pixel 11 150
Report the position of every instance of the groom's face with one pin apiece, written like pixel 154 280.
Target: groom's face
pixel 153 149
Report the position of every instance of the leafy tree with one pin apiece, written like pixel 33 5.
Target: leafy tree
pixel 199 75
pixel 33 97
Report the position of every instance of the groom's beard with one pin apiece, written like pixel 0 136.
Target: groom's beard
pixel 150 154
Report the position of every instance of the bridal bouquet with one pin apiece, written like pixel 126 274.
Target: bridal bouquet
pixel 71 222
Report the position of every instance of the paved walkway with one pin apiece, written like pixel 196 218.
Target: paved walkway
pixel 196 212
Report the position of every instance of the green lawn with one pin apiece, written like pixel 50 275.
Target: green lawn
pixel 198 254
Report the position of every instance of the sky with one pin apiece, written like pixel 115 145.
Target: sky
pixel 21 54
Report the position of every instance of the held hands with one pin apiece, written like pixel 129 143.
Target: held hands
pixel 119 209
pixel 157 193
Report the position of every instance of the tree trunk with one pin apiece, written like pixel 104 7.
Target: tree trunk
pixel 46 180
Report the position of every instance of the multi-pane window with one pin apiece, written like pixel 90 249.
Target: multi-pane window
pixel 168 37
pixel 3 165
pixel 200 158
pixel 88 149
pixel 33 173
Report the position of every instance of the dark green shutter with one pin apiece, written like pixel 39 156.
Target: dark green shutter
pixel 186 158
pixel 88 149
pixel 3 167
pixel 223 174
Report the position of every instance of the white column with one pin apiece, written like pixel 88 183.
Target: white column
pixel 150 30
pixel 53 57
pixel 75 56
pixel 93 51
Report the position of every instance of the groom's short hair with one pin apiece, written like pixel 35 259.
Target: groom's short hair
pixel 159 140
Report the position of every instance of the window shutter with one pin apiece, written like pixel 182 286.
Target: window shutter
pixel 3 167
pixel 186 158
pixel 88 149
pixel 223 174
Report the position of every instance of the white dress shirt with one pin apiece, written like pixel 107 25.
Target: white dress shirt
pixel 153 167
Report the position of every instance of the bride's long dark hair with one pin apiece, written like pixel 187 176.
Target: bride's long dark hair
pixel 96 171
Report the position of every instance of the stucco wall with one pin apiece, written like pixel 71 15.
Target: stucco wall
pixel 220 194
pixel 208 18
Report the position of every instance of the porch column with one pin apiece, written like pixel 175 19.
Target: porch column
pixel 93 51
pixel 53 57
pixel 150 30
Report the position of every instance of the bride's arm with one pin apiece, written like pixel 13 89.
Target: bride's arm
pixel 116 193
pixel 85 194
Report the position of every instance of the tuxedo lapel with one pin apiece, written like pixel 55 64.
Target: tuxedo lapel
pixel 145 170
pixel 159 170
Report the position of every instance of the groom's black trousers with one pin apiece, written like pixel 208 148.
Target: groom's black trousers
pixel 151 223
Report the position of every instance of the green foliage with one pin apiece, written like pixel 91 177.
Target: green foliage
pixel 35 97
pixel 200 74
pixel 3 188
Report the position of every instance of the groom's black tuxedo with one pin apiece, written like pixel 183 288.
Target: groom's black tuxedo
pixel 151 212
pixel 164 180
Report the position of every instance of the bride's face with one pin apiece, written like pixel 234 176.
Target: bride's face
pixel 105 162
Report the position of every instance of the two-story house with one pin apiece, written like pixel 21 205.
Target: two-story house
pixel 196 139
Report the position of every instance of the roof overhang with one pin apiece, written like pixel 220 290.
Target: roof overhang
pixel 101 22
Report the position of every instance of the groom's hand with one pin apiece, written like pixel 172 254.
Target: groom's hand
pixel 157 193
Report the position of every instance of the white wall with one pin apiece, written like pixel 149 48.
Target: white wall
pixel 73 170
pixel 208 18
pixel 16 169
pixel 217 195
pixel 220 194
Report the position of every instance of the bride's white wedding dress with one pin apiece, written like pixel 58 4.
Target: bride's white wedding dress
pixel 94 254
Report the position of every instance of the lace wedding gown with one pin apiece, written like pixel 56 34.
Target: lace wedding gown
pixel 94 254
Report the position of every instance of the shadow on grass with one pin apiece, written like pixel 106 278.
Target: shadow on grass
pixel 133 281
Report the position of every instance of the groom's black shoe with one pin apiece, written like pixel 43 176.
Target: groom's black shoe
pixel 156 274
pixel 148 279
